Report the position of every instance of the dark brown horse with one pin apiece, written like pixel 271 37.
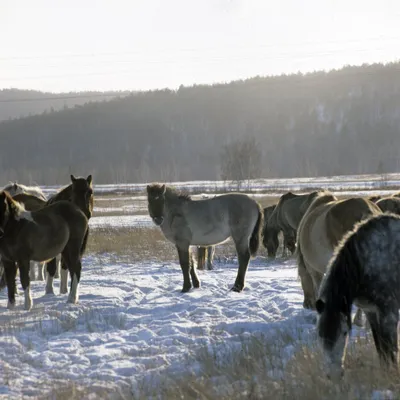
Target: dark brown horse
pixel 80 192
pixel 39 236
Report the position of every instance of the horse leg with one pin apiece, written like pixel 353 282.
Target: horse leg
pixel 3 282
pixel 184 261
pixel 308 287
pixel 210 257
pixel 244 259
pixel 24 266
pixel 201 257
pixel 40 266
pixel 193 274
pixel 32 275
pixel 51 270
pixel 357 320
pixel 388 322
pixel 64 277
pixel 57 274
pixel 75 267
pixel 10 272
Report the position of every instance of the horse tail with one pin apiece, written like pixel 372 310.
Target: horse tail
pixel 84 243
pixel 201 257
pixel 256 236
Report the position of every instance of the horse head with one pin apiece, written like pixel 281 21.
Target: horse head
pixel 333 327
pixel 156 202
pixel 82 194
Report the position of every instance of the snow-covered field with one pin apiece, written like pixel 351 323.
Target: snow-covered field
pixel 133 325
pixel 132 322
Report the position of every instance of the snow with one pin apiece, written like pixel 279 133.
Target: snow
pixel 132 321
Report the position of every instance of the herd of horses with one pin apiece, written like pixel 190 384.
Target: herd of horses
pixel 347 251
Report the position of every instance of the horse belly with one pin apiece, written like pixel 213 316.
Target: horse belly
pixel 48 246
pixel 321 249
pixel 210 238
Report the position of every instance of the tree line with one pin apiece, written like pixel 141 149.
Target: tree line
pixel 322 123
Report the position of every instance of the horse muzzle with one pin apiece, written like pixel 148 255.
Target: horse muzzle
pixel 158 220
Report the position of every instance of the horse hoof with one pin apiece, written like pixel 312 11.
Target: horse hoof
pixel 186 289
pixel 49 291
pixel 11 305
pixel 63 291
pixel 307 304
pixel 72 301
pixel 196 285
pixel 236 289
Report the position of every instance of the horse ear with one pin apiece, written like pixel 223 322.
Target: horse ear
pixel 163 188
pixel 148 188
pixel 73 179
pixel 320 306
pixel 89 179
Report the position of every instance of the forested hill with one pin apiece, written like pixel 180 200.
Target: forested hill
pixel 341 122
pixel 16 103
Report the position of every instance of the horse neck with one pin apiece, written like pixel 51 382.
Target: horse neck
pixel 344 277
pixel 63 194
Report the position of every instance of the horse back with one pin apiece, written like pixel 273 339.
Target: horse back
pixel 62 210
pixel 30 201
pixel 344 214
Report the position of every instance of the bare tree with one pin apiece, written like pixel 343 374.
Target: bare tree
pixel 241 160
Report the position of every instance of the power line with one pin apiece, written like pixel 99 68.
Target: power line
pixel 184 50
pixel 235 57
pixel 63 97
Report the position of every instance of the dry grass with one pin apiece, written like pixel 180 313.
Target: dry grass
pixel 257 371
pixel 136 243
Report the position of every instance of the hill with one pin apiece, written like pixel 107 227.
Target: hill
pixel 339 122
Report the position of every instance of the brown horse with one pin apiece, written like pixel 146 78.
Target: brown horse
pixel 40 236
pixel 271 241
pixel 286 217
pixel 80 192
pixel 324 224
pixel 389 204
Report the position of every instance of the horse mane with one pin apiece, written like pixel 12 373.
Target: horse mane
pixel 64 193
pixel 344 271
pixel 16 208
pixel 319 198
pixel 171 193
pixel 20 188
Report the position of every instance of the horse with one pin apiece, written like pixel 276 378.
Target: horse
pixel 286 217
pixel 40 236
pixel 186 222
pixel 324 224
pixel 389 204
pixel 37 196
pixel 365 270
pixel 14 188
pixel 203 254
pixel 271 243
pixel 80 192
pixel 374 199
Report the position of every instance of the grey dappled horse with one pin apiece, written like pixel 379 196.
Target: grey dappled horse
pixel 365 270
pixel 186 222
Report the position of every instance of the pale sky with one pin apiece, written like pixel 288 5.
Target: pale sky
pixel 73 45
